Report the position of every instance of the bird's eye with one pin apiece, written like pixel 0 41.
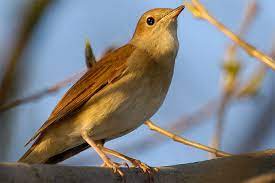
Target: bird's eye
pixel 150 21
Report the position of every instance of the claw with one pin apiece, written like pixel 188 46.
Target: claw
pixel 114 166
pixel 125 165
pixel 145 168
pixel 116 169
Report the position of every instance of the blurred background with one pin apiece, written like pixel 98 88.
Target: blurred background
pixel 42 43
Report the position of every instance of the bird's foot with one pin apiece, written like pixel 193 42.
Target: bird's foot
pixel 123 164
pixel 144 167
pixel 114 166
pixel 138 164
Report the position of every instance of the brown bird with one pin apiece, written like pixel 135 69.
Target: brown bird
pixel 114 97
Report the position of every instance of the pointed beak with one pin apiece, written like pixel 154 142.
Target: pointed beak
pixel 175 12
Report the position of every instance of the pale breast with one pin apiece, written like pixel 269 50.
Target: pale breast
pixel 126 104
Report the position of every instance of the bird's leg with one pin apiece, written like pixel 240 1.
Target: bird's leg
pixel 107 161
pixel 100 145
pixel 136 163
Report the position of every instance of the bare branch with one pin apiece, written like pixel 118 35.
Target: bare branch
pixel 232 67
pixel 90 61
pixel 32 17
pixel 179 139
pixel 235 169
pixel 199 11
pixel 216 141
pixel 249 15
pixel 186 122
pixel 40 94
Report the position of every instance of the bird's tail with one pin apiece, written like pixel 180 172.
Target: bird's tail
pixel 35 156
pixel 32 156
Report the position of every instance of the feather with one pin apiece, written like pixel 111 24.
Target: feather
pixel 107 70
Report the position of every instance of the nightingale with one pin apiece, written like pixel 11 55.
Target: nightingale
pixel 115 96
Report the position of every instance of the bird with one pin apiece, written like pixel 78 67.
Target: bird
pixel 116 95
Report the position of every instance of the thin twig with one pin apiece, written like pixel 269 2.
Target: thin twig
pixel 249 15
pixel 40 94
pixel 186 122
pixel 251 86
pixel 264 119
pixel 32 16
pixel 216 141
pixel 29 19
pixel 232 68
pixel 179 139
pixel 199 11
pixel 90 61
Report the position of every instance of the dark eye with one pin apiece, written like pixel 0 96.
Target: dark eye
pixel 150 21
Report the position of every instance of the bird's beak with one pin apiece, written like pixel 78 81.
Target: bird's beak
pixel 175 12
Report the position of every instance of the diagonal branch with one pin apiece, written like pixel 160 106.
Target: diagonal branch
pixel 179 139
pixel 186 122
pixel 40 94
pixel 90 61
pixel 199 11
pixel 249 15
pixel 32 17
pixel 265 118
pixel 232 69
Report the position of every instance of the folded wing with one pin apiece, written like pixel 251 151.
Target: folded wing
pixel 107 70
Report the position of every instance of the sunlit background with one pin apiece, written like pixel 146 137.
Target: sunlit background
pixel 56 52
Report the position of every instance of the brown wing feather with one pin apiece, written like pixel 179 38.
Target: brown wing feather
pixel 95 79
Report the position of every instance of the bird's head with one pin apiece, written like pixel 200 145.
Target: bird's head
pixel 156 31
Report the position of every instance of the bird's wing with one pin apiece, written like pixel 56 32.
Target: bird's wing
pixel 104 72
